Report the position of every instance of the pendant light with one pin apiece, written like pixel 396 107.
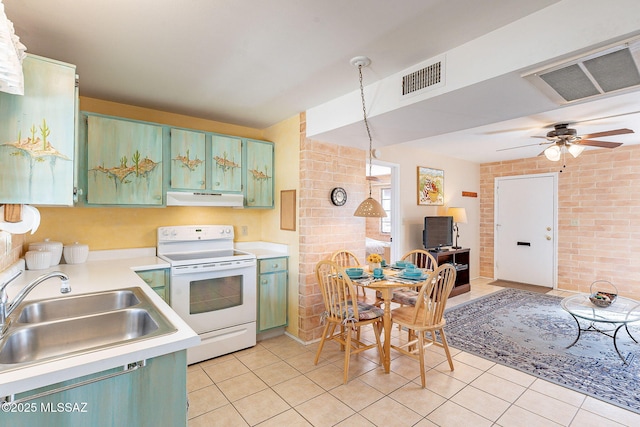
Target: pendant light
pixel 369 208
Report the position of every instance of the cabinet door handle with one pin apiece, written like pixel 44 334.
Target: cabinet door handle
pixel 265 281
pixel 275 266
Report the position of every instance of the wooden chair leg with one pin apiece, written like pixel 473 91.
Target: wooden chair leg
pixel 446 348
pixel 421 355
pixel 347 354
pixel 377 328
pixel 324 337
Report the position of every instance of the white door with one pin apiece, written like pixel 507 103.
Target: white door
pixel 525 223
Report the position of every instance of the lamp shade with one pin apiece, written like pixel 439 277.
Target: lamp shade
pixel 553 153
pixel 370 208
pixel 575 150
pixel 459 215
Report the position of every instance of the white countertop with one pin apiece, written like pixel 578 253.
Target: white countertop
pixel 263 249
pixel 95 276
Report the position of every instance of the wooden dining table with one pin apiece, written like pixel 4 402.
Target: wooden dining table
pixel 386 287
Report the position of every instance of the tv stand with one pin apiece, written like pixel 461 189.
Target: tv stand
pixel 460 259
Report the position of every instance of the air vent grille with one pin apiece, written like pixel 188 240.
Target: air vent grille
pixel 597 74
pixel 426 77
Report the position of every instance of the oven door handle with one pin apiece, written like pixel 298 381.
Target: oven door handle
pixel 218 266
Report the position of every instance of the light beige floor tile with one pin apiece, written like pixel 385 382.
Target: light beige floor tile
pixel 548 407
pixel 611 412
pixel 421 400
pixel 358 365
pixel 304 362
pixel 442 384
pixel 425 423
pixel 276 373
pixel 260 406
pixel 451 415
pixel 205 400
pixel 406 367
pixel 587 419
pixel 388 412
pixel 221 417
pixel 290 418
pixel 258 359
pixel 461 371
pixel 216 360
pixel 481 402
pixel 356 420
pixel 241 386
pixel 356 394
pixel 520 417
pixel 197 379
pixel 290 349
pixel 298 390
pixel 324 410
pixel 473 360
pixel 327 376
pixel 385 383
pixel 512 375
pixel 557 392
pixel 499 387
pixel 224 370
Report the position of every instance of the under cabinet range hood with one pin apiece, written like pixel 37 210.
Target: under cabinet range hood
pixel 177 198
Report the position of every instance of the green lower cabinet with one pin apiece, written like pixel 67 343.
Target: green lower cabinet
pixel 158 280
pixel 152 395
pixel 273 278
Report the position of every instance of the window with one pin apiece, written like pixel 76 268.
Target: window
pixel 385 201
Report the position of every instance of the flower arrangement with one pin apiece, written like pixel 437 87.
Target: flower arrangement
pixel 374 258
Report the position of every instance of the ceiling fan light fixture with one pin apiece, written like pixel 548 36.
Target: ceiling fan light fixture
pixel 575 149
pixel 553 153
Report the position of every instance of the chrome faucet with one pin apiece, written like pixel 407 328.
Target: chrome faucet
pixel 7 308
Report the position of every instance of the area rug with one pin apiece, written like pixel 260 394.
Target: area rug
pixel 530 332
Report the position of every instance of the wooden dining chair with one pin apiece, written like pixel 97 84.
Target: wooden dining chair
pixel 343 316
pixel 346 259
pixel 427 315
pixel 421 259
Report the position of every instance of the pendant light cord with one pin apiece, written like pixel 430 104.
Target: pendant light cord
pixel 366 123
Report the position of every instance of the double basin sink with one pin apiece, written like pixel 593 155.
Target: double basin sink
pixel 59 327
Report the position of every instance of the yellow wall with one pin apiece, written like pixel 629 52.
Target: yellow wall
pixel 287 165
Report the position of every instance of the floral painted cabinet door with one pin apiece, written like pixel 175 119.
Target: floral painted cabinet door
pixel 259 174
pixel 226 164
pixel 188 154
pixel 37 135
pixel 124 162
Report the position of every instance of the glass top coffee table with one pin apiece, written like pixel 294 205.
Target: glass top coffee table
pixel 620 313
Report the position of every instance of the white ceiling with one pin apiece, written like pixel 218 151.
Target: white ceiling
pixel 255 63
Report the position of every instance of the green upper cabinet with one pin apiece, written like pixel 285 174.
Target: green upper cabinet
pixel 188 154
pixel 259 174
pixel 226 170
pixel 37 135
pixel 124 162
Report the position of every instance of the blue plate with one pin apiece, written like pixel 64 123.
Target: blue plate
pixel 378 277
pixel 403 276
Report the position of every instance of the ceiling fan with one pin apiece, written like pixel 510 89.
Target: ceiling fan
pixel 565 139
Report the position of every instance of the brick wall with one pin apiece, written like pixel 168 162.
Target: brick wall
pixel 325 228
pixel 598 191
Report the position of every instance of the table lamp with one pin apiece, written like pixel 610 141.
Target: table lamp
pixel 459 216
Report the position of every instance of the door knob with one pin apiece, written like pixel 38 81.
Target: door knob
pixel 548 228
pixel 548 237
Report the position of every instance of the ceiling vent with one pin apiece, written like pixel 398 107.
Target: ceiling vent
pixel 604 72
pixel 429 77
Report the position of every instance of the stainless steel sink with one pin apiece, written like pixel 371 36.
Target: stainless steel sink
pixel 60 327
pixel 62 308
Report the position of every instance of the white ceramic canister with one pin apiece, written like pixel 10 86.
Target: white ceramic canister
pixel 54 247
pixel 38 260
pixel 76 253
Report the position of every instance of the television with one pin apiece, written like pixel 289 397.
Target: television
pixel 438 232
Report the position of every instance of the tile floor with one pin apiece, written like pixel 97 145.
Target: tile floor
pixel 276 383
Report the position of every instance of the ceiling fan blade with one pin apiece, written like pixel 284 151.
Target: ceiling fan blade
pixel 602 144
pixel 607 133
pixel 520 146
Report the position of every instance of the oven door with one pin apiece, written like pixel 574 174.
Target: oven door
pixel 211 297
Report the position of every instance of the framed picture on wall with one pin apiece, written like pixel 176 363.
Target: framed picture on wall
pixel 430 186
